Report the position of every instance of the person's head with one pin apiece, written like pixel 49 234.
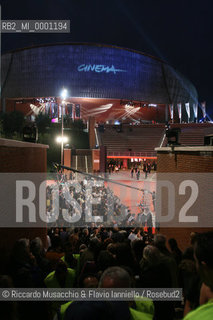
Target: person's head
pixel 106 242
pixel 36 247
pixel 94 245
pixel 172 244
pixel 203 253
pixel 146 210
pixel 21 251
pixel 95 230
pixel 88 280
pixel 137 248
pixel 105 260
pixel 111 248
pixel 115 277
pixel 85 232
pixel 82 248
pixel 56 231
pixel 117 237
pixel 193 237
pixel 95 310
pixel 56 242
pixel 159 241
pixel 136 231
pixel 124 255
pixel 61 273
pixel 76 230
pixel 151 255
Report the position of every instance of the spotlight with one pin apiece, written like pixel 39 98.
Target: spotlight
pixel 172 136
pixel 59 139
pixel 64 94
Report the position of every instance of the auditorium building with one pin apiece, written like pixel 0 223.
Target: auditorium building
pixel 106 86
pixel 126 96
pixel 106 82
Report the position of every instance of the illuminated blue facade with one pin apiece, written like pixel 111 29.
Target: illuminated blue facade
pixel 92 71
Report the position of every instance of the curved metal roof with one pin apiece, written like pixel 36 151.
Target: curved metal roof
pixel 92 71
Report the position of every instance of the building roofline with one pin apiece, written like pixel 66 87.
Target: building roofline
pixel 86 44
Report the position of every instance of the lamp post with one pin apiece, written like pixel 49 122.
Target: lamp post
pixel 63 96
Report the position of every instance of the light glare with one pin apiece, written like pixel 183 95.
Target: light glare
pixel 64 94
pixel 59 139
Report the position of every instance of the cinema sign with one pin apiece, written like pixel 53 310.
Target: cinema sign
pixel 98 68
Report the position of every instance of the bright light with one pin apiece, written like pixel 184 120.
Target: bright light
pixel 129 107
pixel 59 139
pixel 64 94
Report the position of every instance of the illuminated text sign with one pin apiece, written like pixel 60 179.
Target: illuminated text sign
pixel 98 68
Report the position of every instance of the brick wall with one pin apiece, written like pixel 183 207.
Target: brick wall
pixel 67 161
pixel 96 160
pixel 184 162
pixel 13 159
pixel 16 156
pixel 180 160
pixel 92 132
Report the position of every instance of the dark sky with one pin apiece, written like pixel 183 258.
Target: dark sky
pixel 177 31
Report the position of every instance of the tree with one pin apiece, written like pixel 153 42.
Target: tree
pixel 12 123
pixel 77 125
pixel 42 121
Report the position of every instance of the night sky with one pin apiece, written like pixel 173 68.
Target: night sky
pixel 177 31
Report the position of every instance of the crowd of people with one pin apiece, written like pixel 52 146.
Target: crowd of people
pixel 136 169
pixel 111 258
pixel 85 201
pixel 146 169
pixel 107 247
